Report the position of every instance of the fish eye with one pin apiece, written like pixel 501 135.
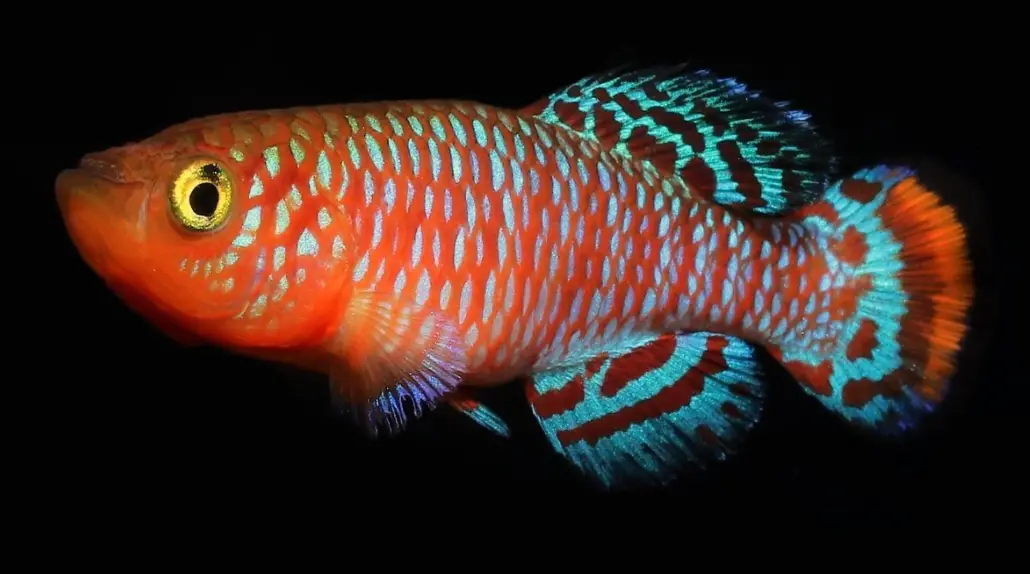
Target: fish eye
pixel 201 195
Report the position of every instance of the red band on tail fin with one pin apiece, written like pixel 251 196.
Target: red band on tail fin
pixel 909 282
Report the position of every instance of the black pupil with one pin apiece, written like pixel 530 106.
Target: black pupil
pixel 204 199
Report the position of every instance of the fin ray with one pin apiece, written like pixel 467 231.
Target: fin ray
pixel 729 144
pixel 405 355
pixel 637 418
pixel 909 290
pixel 463 402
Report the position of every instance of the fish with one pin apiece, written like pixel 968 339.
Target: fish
pixel 627 249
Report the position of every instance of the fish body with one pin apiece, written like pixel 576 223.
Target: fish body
pixel 624 247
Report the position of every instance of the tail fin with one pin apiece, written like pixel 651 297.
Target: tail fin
pixel 903 304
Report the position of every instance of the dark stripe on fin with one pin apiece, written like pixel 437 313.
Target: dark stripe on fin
pixel 899 284
pixel 639 417
pixel 729 144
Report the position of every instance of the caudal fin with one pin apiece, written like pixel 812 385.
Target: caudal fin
pixel 896 290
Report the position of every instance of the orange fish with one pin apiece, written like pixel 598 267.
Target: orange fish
pixel 625 247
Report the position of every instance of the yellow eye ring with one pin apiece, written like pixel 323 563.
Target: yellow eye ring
pixel 201 195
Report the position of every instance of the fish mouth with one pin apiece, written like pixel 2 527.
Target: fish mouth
pixel 103 186
pixel 104 217
pixel 72 182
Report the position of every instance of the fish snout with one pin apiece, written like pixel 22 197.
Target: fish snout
pixel 104 165
pixel 70 184
pixel 99 213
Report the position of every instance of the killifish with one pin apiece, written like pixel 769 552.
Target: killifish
pixel 625 248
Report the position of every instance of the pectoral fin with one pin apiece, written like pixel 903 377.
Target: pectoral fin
pixel 391 354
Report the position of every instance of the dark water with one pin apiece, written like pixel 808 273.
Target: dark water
pixel 135 418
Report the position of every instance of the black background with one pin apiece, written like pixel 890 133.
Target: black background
pixel 135 419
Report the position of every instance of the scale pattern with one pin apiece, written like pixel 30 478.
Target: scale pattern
pixel 535 248
pixel 538 248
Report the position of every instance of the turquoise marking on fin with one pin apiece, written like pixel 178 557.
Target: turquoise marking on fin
pixel 479 413
pixel 898 273
pixel 642 416
pixel 727 143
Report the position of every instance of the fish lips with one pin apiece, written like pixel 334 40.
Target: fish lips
pixel 105 219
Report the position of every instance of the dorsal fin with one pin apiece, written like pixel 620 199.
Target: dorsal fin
pixel 729 144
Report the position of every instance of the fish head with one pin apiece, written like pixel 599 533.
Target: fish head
pixel 182 228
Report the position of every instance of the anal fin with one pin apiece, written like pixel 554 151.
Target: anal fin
pixel 642 416
pixel 391 355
